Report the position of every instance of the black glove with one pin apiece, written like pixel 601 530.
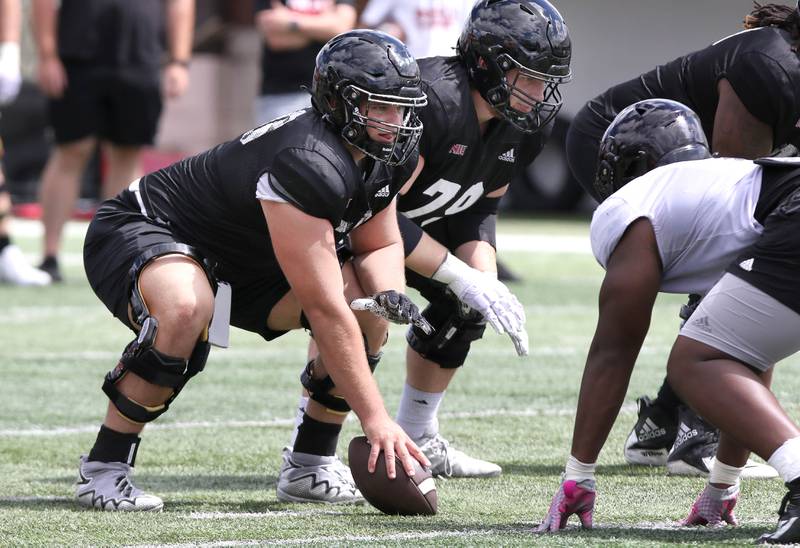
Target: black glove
pixel 395 307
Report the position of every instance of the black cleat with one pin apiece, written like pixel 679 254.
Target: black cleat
pixel 695 445
pixel 652 436
pixel 788 530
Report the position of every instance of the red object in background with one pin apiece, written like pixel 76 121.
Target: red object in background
pixel 152 159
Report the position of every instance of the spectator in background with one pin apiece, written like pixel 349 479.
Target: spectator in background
pixel 430 28
pixel 14 269
pixel 100 63
pixel 293 32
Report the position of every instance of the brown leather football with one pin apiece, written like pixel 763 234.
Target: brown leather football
pixel 404 495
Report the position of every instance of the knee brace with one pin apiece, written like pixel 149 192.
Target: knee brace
pixel 154 367
pixel 319 390
pixel 142 359
pixel 456 327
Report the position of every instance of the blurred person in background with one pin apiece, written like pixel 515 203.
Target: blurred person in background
pixel 14 268
pixel 293 32
pixel 102 63
pixel 429 28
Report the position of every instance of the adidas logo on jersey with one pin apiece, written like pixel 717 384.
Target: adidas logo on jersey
pixel 702 324
pixel 458 150
pixel 650 430
pixel 747 265
pixel 383 193
pixel 507 156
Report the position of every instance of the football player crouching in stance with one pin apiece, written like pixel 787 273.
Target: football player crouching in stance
pixel 675 220
pixel 251 228
pixel 490 110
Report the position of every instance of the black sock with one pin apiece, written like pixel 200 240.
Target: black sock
pixel 317 438
pixel 5 241
pixel 113 446
pixel 668 400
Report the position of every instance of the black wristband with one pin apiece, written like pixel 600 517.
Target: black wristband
pixel 180 62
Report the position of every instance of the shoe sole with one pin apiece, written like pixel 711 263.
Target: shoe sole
pixel 681 468
pixel 90 506
pixel 283 496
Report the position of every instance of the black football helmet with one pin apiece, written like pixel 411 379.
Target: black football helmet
pixel 529 35
pixel 643 136
pixel 363 68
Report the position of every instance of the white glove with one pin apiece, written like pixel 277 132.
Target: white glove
pixel 10 77
pixel 484 293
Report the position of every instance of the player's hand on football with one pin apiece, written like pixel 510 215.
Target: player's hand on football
pixel 571 498
pixel 386 435
pixel 714 507
pixel 395 307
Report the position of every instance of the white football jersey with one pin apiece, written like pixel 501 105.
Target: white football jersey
pixel 702 216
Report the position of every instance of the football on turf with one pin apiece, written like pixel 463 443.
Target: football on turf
pixel 404 495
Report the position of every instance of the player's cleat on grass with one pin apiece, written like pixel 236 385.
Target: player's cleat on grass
pixel 449 462
pixel 651 437
pixel 329 482
pixel 571 498
pixel 695 446
pixel 714 507
pixel 788 530
pixel 108 486
pixel 15 270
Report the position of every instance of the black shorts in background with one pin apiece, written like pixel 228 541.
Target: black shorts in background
pixel 119 105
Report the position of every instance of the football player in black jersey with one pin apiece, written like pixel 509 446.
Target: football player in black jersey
pixel 249 230
pixel 490 110
pixel 673 219
pixel 746 90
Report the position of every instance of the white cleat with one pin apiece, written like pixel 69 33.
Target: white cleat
pixel 107 486
pixel 328 482
pixel 15 269
pixel 450 462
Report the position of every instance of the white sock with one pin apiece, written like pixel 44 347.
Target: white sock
pixel 577 470
pixel 724 473
pixel 417 412
pixel 786 460
pixel 298 418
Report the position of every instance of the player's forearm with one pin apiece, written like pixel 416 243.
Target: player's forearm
pixel 44 28
pixel 603 387
pixel 180 29
pixel 341 347
pixel 10 20
pixel 381 269
pixel 427 256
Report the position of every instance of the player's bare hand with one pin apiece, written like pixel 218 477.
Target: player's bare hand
pixel 386 435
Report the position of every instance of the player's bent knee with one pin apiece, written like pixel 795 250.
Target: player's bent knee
pixel 322 389
pixel 455 331
pixel 144 360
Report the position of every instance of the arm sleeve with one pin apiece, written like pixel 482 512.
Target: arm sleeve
pixel 310 182
pixel 766 90
pixel 410 231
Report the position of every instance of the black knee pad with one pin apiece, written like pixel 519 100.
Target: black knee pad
pixel 456 327
pixel 319 390
pixel 155 367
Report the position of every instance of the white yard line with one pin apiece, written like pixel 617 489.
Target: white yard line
pixel 466 415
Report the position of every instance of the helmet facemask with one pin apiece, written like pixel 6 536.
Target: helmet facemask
pixel 541 112
pixel 358 103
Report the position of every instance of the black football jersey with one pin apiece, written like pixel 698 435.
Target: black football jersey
pixel 759 64
pixel 209 200
pixel 461 165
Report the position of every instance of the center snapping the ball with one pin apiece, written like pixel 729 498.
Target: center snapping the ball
pixel 404 495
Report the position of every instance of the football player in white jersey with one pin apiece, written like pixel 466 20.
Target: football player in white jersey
pixel 694 226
